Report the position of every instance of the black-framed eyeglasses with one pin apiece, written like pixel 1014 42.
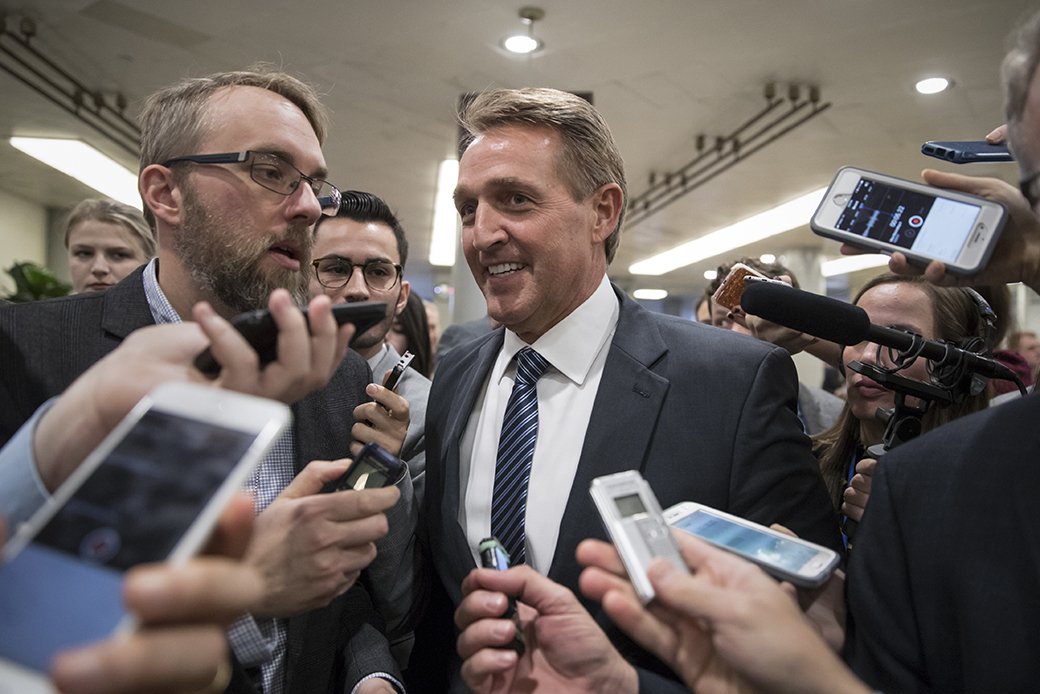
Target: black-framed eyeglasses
pixel 1028 186
pixel 273 173
pixel 334 271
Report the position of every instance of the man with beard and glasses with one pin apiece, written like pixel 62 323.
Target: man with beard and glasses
pixel 359 255
pixel 232 176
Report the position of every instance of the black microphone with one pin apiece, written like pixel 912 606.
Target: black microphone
pixel 846 324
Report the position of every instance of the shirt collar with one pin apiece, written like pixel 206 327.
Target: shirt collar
pixel 158 304
pixel 374 360
pixel 571 345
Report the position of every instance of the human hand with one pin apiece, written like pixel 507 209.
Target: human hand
pixel 566 650
pixel 998 136
pixel 376 685
pixel 728 627
pixel 180 646
pixel 384 420
pixel 858 492
pixel 310 547
pixel 824 607
pixel 1016 257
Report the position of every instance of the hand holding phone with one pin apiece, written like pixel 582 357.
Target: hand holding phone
pixel 152 490
pixel 373 467
pixel 394 377
pixel 967 152
pixel 494 556
pixel 635 524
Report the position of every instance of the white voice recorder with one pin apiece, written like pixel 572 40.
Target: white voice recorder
pixel 633 519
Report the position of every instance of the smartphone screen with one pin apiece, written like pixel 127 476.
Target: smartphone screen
pixel 64 588
pixel 783 554
pixel 922 223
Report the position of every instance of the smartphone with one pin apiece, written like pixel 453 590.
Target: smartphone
pixel 732 288
pixel 151 491
pixel 788 558
pixel 373 467
pixel 967 152
pixel 494 556
pixel 261 333
pixel 634 522
pixel 885 214
pixel 395 374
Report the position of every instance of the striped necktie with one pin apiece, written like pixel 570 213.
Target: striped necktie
pixel 515 451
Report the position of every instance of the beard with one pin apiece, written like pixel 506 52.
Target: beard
pixel 375 335
pixel 226 260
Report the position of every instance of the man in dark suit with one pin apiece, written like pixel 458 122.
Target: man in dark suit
pixel 232 175
pixel 704 415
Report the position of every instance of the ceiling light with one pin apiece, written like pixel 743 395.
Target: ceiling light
pixel 767 258
pixel 783 218
pixel 526 42
pixel 852 263
pixel 85 164
pixel 445 218
pixel 711 275
pixel 932 85
pixel 650 294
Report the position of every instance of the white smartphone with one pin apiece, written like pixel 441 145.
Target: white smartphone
pixel 635 524
pixel 151 491
pixel 886 214
pixel 788 558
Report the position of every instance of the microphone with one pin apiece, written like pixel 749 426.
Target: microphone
pixel 846 324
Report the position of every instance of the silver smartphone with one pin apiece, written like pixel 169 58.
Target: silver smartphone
pixel 635 524
pixel 788 558
pixel 151 491
pixel 886 214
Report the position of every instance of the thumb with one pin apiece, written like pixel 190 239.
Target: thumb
pixel 313 477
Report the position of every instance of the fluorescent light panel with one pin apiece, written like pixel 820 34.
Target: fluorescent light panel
pixel 852 263
pixel 445 218
pixel 650 294
pixel 783 218
pixel 85 164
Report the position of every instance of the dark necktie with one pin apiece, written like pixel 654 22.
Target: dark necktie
pixel 515 451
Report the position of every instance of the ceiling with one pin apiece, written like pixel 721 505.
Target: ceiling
pixel 661 71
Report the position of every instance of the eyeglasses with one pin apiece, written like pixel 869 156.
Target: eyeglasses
pixel 273 173
pixel 1028 187
pixel 335 271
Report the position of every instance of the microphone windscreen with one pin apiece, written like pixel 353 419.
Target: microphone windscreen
pixel 816 315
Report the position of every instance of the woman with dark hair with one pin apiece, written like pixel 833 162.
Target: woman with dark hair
pixel 411 331
pixel 901 303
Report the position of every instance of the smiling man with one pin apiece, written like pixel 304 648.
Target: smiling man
pixel 703 414
pixel 232 176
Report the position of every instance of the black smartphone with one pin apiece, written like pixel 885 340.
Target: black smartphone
pixel 967 152
pixel 373 467
pixel 261 333
pixel 395 375
pixel 494 556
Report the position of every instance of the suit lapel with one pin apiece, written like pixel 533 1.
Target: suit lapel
pixel 627 406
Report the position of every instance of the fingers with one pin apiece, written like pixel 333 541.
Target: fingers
pixel 239 362
pixel 207 589
pixel 350 504
pixel 866 467
pixel 479 605
pixel 234 528
pixel 384 421
pixel 479 669
pixel 998 136
pixel 602 555
pixel 313 477
pixel 175 659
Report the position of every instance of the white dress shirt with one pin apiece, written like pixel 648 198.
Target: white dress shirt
pixel 576 349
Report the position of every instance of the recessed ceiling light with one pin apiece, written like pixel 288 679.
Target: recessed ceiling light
pixel 711 274
pixel 650 294
pixel 85 164
pixel 767 258
pixel 522 44
pixel 933 85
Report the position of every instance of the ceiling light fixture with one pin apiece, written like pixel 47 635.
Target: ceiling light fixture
pixel 767 258
pixel 933 85
pixel 852 263
pixel 711 275
pixel 85 164
pixel 526 43
pixel 445 218
pixel 783 218
pixel 650 294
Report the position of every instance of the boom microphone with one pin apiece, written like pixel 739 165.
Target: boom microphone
pixel 846 324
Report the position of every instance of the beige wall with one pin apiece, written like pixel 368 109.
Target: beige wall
pixel 23 235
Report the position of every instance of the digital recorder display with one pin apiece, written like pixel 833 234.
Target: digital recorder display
pixel 925 224
pixel 629 505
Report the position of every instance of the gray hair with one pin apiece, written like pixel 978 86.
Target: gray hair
pixel 112 212
pixel 590 157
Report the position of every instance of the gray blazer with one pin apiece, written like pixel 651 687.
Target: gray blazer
pixel 45 345
pixel 705 416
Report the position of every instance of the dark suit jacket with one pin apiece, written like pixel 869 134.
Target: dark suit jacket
pixel 704 414
pixel 943 585
pixel 46 345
